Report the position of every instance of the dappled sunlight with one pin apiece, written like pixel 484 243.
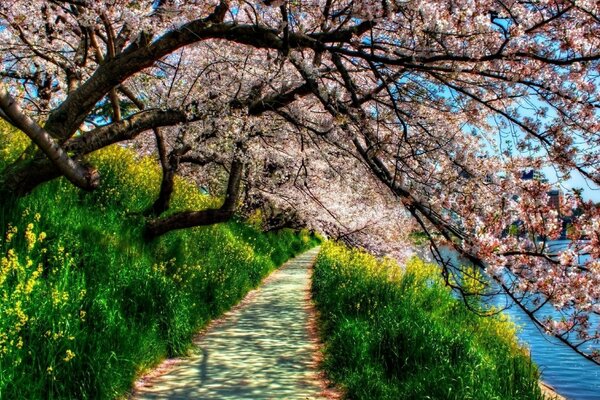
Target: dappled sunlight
pixel 262 350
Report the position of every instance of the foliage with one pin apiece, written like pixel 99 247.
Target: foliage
pixel 418 238
pixel 393 333
pixel 12 144
pixel 433 110
pixel 86 305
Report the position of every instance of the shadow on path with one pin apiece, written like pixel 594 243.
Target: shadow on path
pixel 262 350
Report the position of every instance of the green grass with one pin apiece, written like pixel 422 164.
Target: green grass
pixel 86 305
pixel 400 334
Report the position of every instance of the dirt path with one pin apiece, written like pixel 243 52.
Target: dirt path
pixel 262 349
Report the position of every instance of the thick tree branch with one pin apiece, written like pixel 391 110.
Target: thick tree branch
pixel 85 178
pixel 128 129
pixel 198 159
pixel 24 177
pixel 189 219
pixel 67 118
pixel 277 101
pixel 169 164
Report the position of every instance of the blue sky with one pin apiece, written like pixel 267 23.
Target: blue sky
pixel 590 190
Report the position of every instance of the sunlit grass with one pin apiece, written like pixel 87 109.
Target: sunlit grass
pixel 400 334
pixel 86 304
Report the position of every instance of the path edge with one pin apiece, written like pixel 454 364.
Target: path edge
pixel 148 377
pixel 329 389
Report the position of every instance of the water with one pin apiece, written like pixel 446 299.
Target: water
pixel 568 373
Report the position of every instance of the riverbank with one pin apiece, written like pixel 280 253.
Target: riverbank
pixel 390 332
pixel 570 374
pixel 549 392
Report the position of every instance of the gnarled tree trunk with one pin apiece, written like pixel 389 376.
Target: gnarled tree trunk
pixel 169 164
pixel 189 219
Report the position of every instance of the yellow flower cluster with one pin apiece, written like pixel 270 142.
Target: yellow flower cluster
pixel 11 232
pixel 59 297
pixel 18 280
pixel 13 143
pixel 122 168
pixel 69 355
pixel 25 294
pixel 187 197
pixel 31 238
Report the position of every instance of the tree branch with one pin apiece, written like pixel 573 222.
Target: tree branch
pixel 128 129
pixel 67 118
pixel 189 219
pixel 85 178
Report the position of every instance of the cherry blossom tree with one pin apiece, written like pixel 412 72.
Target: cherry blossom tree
pixel 430 110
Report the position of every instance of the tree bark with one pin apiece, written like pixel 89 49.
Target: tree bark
pixel 189 219
pixel 25 175
pixel 20 179
pixel 170 164
pixel 85 178
pixel 166 185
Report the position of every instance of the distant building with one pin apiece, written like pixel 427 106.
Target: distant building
pixel 527 175
pixel 555 196
pixel 533 174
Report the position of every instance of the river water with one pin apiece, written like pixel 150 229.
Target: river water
pixel 569 374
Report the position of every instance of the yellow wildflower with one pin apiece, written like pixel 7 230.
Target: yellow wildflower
pixel 11 232
pixel 30 237
pixel 59 297
pixel 69 356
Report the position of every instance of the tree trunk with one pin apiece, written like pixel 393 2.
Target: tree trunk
pixel 170 165
pixel 168 174
pixel 189 219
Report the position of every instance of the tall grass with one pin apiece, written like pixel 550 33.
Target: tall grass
pixel 86 304
pixel 400 334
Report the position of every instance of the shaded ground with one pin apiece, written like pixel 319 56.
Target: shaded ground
pixel 263 349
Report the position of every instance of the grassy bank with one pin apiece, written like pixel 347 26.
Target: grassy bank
pixel 402 335
pixel 86 304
